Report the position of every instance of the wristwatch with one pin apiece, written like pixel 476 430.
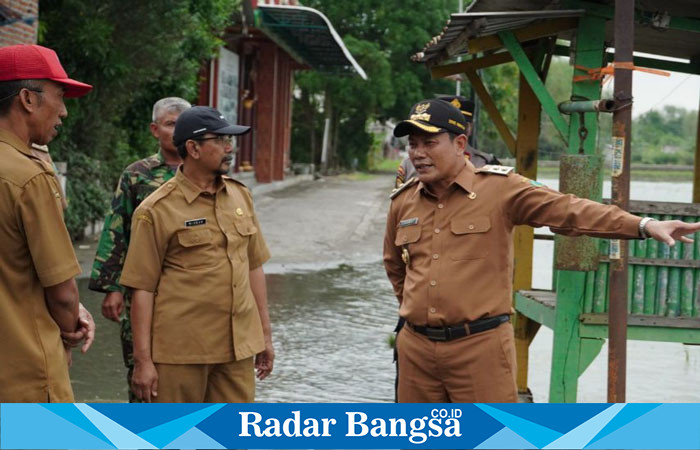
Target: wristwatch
pixel 642 227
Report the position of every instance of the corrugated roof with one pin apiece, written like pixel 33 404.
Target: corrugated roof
pixel 483 18
pixel 464 26
pixel 309 36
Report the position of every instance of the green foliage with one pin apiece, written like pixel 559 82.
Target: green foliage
pixel 381 37
pixel 503 82
pixel 133 53
pixel 88 201
pixel 665 137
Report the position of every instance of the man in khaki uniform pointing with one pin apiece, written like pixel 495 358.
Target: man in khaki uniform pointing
pixel 448 252
pixel 199 307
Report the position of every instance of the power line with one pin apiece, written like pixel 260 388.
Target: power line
pixel 670 93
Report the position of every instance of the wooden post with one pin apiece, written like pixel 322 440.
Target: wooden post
pixel 266 112
pixel 622 135
pixel 491 109
pixel 529 113
pixel 567 347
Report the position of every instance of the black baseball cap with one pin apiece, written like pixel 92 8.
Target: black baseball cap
pixel 198 120
pixel 432 116
pixel 463 104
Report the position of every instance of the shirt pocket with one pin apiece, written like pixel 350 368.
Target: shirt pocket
pixel 196 249
pixel 245 226
pixel 246 230
pixel 407 235
pixel 468 238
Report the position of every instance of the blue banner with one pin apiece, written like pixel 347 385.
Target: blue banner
pixel 349 426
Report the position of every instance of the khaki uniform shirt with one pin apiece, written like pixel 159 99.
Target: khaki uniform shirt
pixel 195 250
pixel 460 247
pixel 36 253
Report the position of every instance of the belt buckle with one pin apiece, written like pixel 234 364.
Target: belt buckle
pixel 437 334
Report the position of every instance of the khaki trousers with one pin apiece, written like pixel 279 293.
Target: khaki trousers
pixel 232 382
pixel 473 369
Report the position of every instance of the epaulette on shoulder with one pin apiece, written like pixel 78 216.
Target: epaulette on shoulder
pixel 143 166
pixel 497 170
pixel 160 193
pixel 395 193
pixel 227 178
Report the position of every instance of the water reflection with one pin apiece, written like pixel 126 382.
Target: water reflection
pixel 331 327
pixel 330 331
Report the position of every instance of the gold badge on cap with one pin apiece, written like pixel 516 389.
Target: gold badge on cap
pixel 239 212
pixel 456 103
pixel 423 107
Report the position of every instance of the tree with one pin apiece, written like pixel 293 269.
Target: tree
pixel 133 53
pixel 382 37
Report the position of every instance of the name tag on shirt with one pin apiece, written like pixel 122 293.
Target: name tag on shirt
pixel 408 222
pixel 195 222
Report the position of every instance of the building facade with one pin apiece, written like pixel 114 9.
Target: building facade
pixel 18 22
pixel 251 81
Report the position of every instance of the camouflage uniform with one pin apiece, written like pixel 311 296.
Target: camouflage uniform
pixel 136 183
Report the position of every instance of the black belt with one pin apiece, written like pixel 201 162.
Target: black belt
pixel 457 331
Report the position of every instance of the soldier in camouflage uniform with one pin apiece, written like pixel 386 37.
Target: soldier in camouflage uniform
pixel 136 183
pixel 406 171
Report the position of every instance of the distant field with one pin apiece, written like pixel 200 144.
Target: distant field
pixel 645 174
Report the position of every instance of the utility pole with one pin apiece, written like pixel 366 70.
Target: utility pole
pixel 622 134
pixel 458 89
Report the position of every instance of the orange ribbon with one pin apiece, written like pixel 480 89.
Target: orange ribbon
pixel 606 73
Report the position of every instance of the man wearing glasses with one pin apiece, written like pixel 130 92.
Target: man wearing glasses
pixel 199 301
pixel 39 308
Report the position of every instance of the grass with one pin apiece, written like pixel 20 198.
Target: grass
pixel 385 165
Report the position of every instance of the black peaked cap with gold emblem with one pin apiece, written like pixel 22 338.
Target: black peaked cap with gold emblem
pixel 463 104
pixel 432 116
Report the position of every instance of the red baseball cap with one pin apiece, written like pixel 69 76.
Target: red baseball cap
pixel 34 62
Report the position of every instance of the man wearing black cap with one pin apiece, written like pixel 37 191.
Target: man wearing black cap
pixel 448 252
pixel 39 307
pixel 406 171
pixel 199 303
pixel 139 180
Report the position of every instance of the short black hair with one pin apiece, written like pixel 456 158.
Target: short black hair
pixel 182 150
pixel 451 135
pixel 8 90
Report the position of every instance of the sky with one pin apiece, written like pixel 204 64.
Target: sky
pixel 654 91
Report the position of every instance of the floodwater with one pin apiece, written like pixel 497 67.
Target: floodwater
pixel 331 328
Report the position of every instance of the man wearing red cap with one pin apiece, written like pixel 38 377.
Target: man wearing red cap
pixel 39 305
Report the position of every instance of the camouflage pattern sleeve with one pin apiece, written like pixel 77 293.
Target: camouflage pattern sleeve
pixel 400 176
pixel 405 172
pixel 114 241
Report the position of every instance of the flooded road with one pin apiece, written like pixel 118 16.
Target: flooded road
pixel 332 309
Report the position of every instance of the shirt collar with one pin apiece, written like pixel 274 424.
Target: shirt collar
pixel 13 140
pixel 190 190
pixel 464 179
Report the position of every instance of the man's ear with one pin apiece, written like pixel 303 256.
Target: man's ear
pixel 154 129
pixel 192 149
pixel 461 142
pixel 28 102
